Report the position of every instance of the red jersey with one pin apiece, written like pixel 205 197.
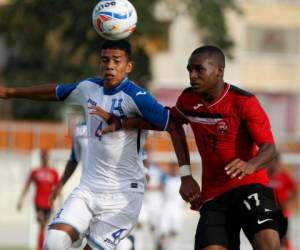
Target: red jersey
pixel 283 185
pixel 227 129
pixel 45 179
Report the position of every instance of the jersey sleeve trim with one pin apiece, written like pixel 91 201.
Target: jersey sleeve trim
pixel 64 90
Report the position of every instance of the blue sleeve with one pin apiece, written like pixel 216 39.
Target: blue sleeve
pixel 153 111
pixel 150 109
pixel 64 90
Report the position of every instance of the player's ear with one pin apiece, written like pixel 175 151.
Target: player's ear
pixel 129 67
pixel 220 71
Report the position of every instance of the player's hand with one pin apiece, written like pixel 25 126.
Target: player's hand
pixel 95 110
pixel 3 92
pixel 195 205
pixel 239 169
pixel 190 190
pixel 114 122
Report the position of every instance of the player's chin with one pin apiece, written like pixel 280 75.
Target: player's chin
pixel 196 88
pixel 111 80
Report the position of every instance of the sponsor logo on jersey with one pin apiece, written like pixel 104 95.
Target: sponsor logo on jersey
pixel 141 93
pixel 92 102
pixel 197 106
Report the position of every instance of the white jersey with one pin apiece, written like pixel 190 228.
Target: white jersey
pixel 80 142
pixel 113 162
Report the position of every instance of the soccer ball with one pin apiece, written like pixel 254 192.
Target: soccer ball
pixel 114 19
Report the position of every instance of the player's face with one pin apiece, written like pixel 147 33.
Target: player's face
pixel 205 74
pixel 114 66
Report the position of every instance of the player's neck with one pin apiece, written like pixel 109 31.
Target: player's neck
pixel 113 84
pixel 213 95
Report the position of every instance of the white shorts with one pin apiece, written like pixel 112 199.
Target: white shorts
pixel 104 218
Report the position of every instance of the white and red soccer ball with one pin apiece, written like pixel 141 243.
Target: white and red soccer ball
pixel 114 19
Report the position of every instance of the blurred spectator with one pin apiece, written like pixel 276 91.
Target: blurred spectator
pixel 151 209
pixel 285 188
pixel 45 179
pixel 153 201
pixel 172 209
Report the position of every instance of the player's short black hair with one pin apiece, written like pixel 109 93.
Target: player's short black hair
pixel 118 44
pixel 212 51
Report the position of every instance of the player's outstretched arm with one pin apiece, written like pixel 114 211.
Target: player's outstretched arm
pixel 69 170
pixel 239 168
pixel 115 123
pixel 40 92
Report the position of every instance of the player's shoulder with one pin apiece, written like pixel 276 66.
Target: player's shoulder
pixel 240 92
pixel 133 90
pixel 52 170
pixel 186 93
pixel 92 80
pixel 137 94
pixel 186 96
pixel 34 171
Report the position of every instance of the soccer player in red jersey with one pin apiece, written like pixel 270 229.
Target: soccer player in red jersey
pixel 285 188
pixel 45 179
pixel 234 138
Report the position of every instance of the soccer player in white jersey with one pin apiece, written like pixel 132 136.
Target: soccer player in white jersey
pixel 106 204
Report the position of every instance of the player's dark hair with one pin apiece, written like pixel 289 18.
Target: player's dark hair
pixel 118 44
pixel 212 51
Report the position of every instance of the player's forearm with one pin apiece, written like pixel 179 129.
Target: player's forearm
pixel 179 142
pixel 69 170
pixel 137 123
pixel 265 154
pixel 39 92
pixel 24 192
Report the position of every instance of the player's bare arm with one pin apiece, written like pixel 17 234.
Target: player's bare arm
pixel 239 168
pixel 24 192
pixel 69 170
pixel 189 190
pixel 115 123
pixel 40 92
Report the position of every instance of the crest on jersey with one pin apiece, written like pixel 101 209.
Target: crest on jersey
pixel 222 127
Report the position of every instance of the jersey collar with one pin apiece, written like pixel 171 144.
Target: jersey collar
pixel 221 97
pixel 112 91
